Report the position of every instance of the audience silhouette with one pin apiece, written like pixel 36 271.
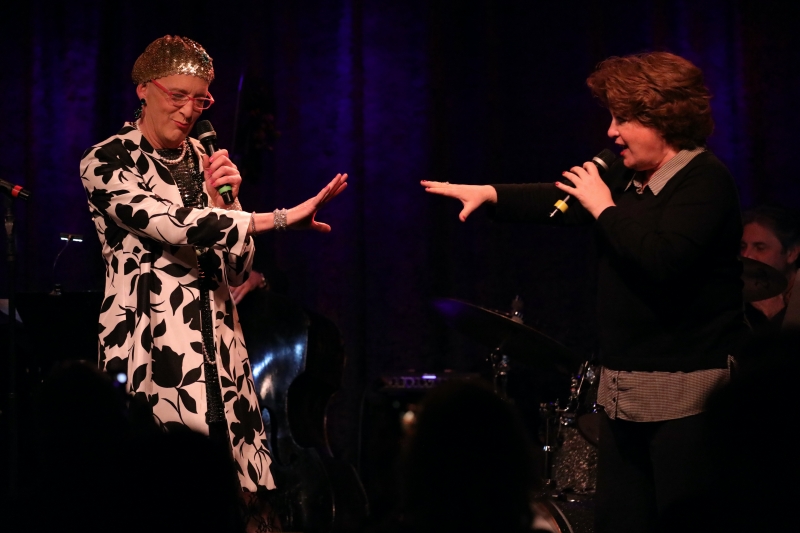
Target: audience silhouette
pixel 469 463
pixel 102 464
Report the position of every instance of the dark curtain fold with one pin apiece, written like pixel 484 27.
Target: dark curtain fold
pixel 390 92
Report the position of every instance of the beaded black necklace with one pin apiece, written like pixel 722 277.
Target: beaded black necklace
pixel 186 175
pixel 189 180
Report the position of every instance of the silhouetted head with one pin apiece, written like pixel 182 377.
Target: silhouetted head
pixel 469 464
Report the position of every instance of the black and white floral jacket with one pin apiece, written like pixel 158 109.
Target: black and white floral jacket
pixel 150 316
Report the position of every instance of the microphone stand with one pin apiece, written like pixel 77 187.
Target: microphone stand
pixel 12 410
pixel 12 192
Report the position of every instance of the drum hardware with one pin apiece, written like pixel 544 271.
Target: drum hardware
pixel 584 395
pixel 553 416
pixel 562 516
pixel 510 339
pixel 517 306
pixel 546 414
pixel 548 516
pixel 578 381
pixel 507 335
pixel 589 423
pixel 500 368
pixel 569 437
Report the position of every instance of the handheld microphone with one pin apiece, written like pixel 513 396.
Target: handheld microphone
pixel 14 191
pixel 602 161
pixel 208 138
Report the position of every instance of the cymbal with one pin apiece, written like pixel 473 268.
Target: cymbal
pixel 761 281
pixel 518 341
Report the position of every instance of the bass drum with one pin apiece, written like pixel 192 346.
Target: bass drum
pixel 573 435
pixel 557 516
pixel 574 462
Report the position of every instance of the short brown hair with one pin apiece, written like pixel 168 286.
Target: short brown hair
pixel 659 90
pixel 783 222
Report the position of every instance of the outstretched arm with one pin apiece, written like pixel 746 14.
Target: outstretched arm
pixel 471 196
pixel 303 216
pixel 127 189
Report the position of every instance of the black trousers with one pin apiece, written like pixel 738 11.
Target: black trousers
pixel 653 476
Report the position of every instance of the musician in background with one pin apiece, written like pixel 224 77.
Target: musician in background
pixel 772 236
pixel 669 309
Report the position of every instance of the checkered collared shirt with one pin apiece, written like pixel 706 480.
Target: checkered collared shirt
pixel 657 396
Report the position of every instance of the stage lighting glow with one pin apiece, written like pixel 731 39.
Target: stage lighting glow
pixel 259 367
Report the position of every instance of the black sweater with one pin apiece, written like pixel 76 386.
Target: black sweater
pixel 669 280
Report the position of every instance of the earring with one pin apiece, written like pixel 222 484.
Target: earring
pixel 138 112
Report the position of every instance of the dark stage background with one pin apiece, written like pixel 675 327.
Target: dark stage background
pixel 390 92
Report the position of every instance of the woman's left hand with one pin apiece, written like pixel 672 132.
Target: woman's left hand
pixel 219 170
pixel 303 216
pixel 589 189
pixel 254 281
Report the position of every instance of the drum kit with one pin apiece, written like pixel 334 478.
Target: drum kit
pixel 570 426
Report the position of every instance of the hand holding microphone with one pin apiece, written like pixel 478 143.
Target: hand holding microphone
pixel 208 138
pixel 586 185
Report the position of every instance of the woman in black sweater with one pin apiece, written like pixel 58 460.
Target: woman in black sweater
pixel 669 282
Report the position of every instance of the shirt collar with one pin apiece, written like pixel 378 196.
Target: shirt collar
pixel 660 178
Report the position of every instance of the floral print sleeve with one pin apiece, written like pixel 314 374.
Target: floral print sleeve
pixel 128 185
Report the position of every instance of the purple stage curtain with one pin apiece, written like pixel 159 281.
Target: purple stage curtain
pixel 390 92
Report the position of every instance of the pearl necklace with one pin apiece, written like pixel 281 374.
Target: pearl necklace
pixel 163 159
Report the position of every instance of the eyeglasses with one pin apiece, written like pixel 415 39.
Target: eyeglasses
pixel 180 99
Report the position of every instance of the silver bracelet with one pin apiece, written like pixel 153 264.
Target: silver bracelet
pixel 279 219
pixel 253 224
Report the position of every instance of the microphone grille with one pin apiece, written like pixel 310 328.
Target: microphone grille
pixel 204 126
pixel 604 160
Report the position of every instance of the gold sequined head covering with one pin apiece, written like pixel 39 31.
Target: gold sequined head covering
pixel 168 55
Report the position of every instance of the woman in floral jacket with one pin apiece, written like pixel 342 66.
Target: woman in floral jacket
pixel 172 249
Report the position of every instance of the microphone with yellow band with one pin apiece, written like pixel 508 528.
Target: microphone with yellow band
pixel 602 161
